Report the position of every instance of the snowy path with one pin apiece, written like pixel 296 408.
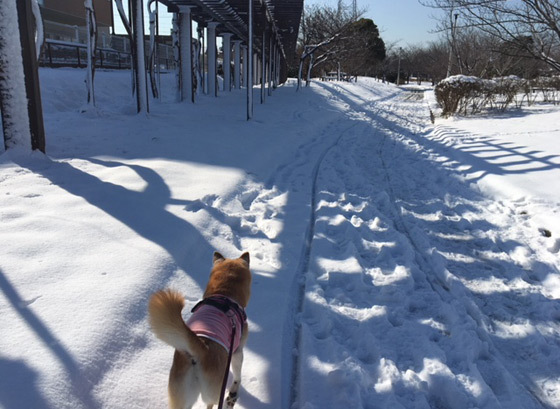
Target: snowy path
pixel 412 299
pixel 384 276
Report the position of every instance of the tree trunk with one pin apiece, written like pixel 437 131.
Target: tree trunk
pixel 309 69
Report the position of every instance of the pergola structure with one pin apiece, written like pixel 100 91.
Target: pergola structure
pixel 261 33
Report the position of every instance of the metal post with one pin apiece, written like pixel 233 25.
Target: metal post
pixel 263 68
pixel 237 64
pixel 338 71
pixel 200 60
pixel 90 25
pixel 256 71
pixel 204 52
pixel 457 52
pixel 31 73
pixel 250 63
pixel 185 46
pixel 202 40
pixel 269 72
pixel 212 59
pixel 453 25
pixel 140 74
pixel 244 66
pixel 227 60
pixel 175 22
pixel 157 50
pixel 50 54
pixel 276 66
pixel 399 68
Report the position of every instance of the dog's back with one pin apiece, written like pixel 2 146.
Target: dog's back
pixel 199 363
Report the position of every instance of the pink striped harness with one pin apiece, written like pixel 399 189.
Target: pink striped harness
pixel 215 318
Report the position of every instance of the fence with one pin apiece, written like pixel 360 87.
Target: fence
pixel 75 34
pixel 65 47
pixel 62 54
pixel 66 54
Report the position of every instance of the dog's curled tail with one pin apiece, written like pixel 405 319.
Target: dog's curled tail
pixel 165 318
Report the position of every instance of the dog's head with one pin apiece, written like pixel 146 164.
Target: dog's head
pixel 231 278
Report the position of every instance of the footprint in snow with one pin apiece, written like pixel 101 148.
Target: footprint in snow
pixel 248 198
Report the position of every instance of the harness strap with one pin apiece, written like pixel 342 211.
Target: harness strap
pixel 224 304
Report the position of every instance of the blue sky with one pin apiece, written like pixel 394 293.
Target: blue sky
pixel 401 22
pixel 405 22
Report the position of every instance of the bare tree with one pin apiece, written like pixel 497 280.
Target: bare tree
pixel 309 52
pixel 336 38
pixel 320 27
pixel 524 28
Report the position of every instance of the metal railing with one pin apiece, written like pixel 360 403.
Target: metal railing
pixel 68 54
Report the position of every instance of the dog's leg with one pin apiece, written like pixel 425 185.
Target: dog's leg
pixel 236 363
pixel 183 385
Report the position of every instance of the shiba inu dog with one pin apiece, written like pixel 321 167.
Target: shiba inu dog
pixel 202 343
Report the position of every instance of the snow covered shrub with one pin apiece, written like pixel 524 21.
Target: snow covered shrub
pixel 467 94
pixel 549 87
pixel 505 91
pixel 454 94
pixel 527 93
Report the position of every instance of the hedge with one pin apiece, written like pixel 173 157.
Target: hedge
pixel 464 94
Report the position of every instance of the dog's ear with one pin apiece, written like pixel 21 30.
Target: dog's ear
pixel 218 258
pixel 245 257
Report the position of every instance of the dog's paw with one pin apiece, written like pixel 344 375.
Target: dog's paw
pixel 231 399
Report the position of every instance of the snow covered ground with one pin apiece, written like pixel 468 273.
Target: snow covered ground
pixel 397 264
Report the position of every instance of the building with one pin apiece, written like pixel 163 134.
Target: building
pixel 65 20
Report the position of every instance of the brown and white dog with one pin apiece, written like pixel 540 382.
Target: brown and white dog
pixel 200 360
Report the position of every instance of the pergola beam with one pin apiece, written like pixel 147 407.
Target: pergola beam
pixel 280 17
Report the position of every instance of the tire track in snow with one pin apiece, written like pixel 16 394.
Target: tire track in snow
pixel 299 282
pixel 303 266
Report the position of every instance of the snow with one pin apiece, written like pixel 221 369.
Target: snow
pixel 396 263
pixel 455 80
